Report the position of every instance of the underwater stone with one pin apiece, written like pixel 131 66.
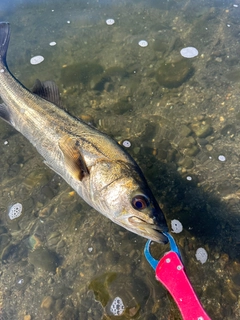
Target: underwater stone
pixel 186 163
pixel 44 259
pixel 189 52
pixel 185 131
pixel 81 72
pixel 201 255
pixel 160 46
pixel 193 151
pixel 174 74
pixel 202 130
pixel 187 142
pixel 4 241
pixel 116 71
pixel 54 238
pixel 126 144
pixel 47 303
pixel 98 82
pixel 143 43
pixel 122 106
pixel 110 22
pixel 66 313
pixel 36 60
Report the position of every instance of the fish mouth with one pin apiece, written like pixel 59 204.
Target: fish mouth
pixel 149 230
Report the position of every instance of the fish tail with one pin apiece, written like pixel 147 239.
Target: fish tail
pixel 4 41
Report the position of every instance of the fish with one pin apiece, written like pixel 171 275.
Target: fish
pixel 92 163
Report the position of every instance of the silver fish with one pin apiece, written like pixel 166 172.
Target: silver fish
pixel 92 163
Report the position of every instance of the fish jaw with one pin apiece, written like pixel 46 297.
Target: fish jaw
pixel 114 186
pixel 146 228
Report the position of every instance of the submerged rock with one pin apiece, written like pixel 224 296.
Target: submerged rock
pixel 44 259
pixel 82 72
pixel 174 74
pixel 121 295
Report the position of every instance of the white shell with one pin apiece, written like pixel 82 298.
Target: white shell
pixel 201 255
pixel 36 59
pixel 189 52
pixel 110 22
pixel 143 43
pixel 126 144
pixel 53 43
pixel 221 158
pixel 176 226
pixel 15 211
pixel 117 306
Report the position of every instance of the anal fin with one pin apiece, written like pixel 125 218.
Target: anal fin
pixel 4 113
pixel 74 160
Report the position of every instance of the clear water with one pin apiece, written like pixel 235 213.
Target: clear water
pixel 62 260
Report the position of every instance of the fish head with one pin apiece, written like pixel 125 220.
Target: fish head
pixel 122 194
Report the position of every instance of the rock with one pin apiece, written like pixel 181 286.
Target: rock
pixel 122 106
pixel 98 82
pixel 185 131
pixel 160 46
pixel 187 142
pixel 116 72
pixel 47 303
pixel 53 239
pixel 174 74
pixel 44 259
pixel 4 241
pixel 193 151
pixel 186 163
pixel 66 313
pixel 202 130
pixel 81 72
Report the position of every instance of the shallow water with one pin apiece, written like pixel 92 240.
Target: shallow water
pixel 61 259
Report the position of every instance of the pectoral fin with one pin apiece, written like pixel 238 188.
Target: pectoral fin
pixel 47 90
pixel 74 160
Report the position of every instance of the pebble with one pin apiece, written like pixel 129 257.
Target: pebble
pixel 209 147
pixel 202 130
pixel 201 255
pixel 174 74
pixel 176 226
pixel 44 259
pixel 189 52
pixel 110 22
pixel 126 144
pixel 36 60
pixel 47 303
pixel 222 158
pixel 143 43
pixel 53 43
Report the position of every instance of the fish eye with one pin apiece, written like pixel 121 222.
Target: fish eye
pixel 140 202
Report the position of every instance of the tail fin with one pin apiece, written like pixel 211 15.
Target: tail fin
pixel 4 40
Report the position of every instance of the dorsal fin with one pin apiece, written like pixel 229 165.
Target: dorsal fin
pixel 74 160
pixel 47 90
